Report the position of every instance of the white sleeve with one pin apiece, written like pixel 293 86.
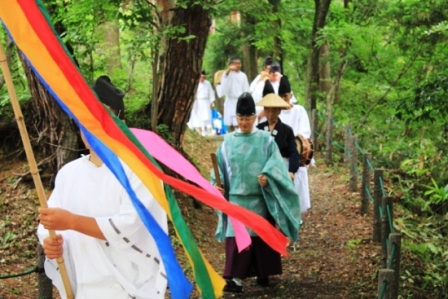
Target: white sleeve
pixel 211 92
pixel 304 122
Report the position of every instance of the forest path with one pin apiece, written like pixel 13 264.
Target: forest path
pixel 335 257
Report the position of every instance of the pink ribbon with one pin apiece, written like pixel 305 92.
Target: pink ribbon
pixel 165 154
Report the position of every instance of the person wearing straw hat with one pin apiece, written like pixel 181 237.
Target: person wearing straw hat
pixel 108 251
pixel 254 177
pixel 282 133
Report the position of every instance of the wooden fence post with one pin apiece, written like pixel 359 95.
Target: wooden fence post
pixel 353 164
pixel 395 248
pixel 385 229
pixel 385 275
pixel 377 197
pixel 365 186
pixel 347 153
pixel 314 128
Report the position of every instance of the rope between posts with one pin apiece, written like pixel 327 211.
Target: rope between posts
pixel 359 148
pixel 370 165
pixel 392 256
pixel 383 289
pixel 32 270
pixel 368 193
pixel 389 217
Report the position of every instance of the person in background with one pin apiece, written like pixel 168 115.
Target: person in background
pixel 200 117
pixel 282 133
pixel 297 118
pixel 233 83
pixel 108 251
pixel 264 74
pixel 254 177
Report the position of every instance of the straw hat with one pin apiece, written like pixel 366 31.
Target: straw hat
pixel 273 101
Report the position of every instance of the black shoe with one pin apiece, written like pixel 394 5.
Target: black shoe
pixel 232 287
pixel 263 281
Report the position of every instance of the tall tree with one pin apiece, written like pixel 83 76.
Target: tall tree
pixel 313 77
pixel 182 66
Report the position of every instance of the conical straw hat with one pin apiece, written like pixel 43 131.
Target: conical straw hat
pixel 274 101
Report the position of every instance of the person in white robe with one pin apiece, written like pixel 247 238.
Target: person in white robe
pixel 297 118
pixel 200 117
pixel 107 250
pixel 263 75
pixel 233 84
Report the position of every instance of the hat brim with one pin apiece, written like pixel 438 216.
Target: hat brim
pixel 273 101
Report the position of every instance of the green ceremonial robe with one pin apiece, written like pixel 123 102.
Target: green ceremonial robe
pixel 241 158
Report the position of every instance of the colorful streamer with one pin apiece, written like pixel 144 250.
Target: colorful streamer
pixel 28 26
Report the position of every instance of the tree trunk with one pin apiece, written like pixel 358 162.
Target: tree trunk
pixel 250 66
pixel 312 77
pixel 278 48
pixel 159 54
pixel 183 64
pixel 51 130
pixel 110 47
pixel 324 69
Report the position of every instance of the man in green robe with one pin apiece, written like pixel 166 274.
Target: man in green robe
pixel 254 177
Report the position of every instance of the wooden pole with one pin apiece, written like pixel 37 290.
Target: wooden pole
pixel 353 164
pixel 377 197
pixel 365 186
pixel 385 276
pixel 31 160
pixel 395 249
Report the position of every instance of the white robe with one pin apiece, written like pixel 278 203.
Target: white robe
pixel 128 264
pixel 232 86
pixel 297 119
pixel 200 116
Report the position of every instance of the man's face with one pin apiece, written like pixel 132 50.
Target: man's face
pixel 245 123
pixel 237 65
pixel 272 114
pixel 275 77
pixel 202 78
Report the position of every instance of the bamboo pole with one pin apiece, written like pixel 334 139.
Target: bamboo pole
pixel 31 160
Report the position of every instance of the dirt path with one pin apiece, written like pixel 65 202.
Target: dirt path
pixel 335 257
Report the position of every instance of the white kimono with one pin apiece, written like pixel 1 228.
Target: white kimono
pixel 297 119
pixel 232 86
pixel 200 116
pixel 126 265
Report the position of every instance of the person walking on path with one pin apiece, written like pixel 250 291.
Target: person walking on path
pixel 233 83
pixel 263 75
pixel 200 117
pixel 297 118
pixel 282 133
pixel 107 249
pixel 254 177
